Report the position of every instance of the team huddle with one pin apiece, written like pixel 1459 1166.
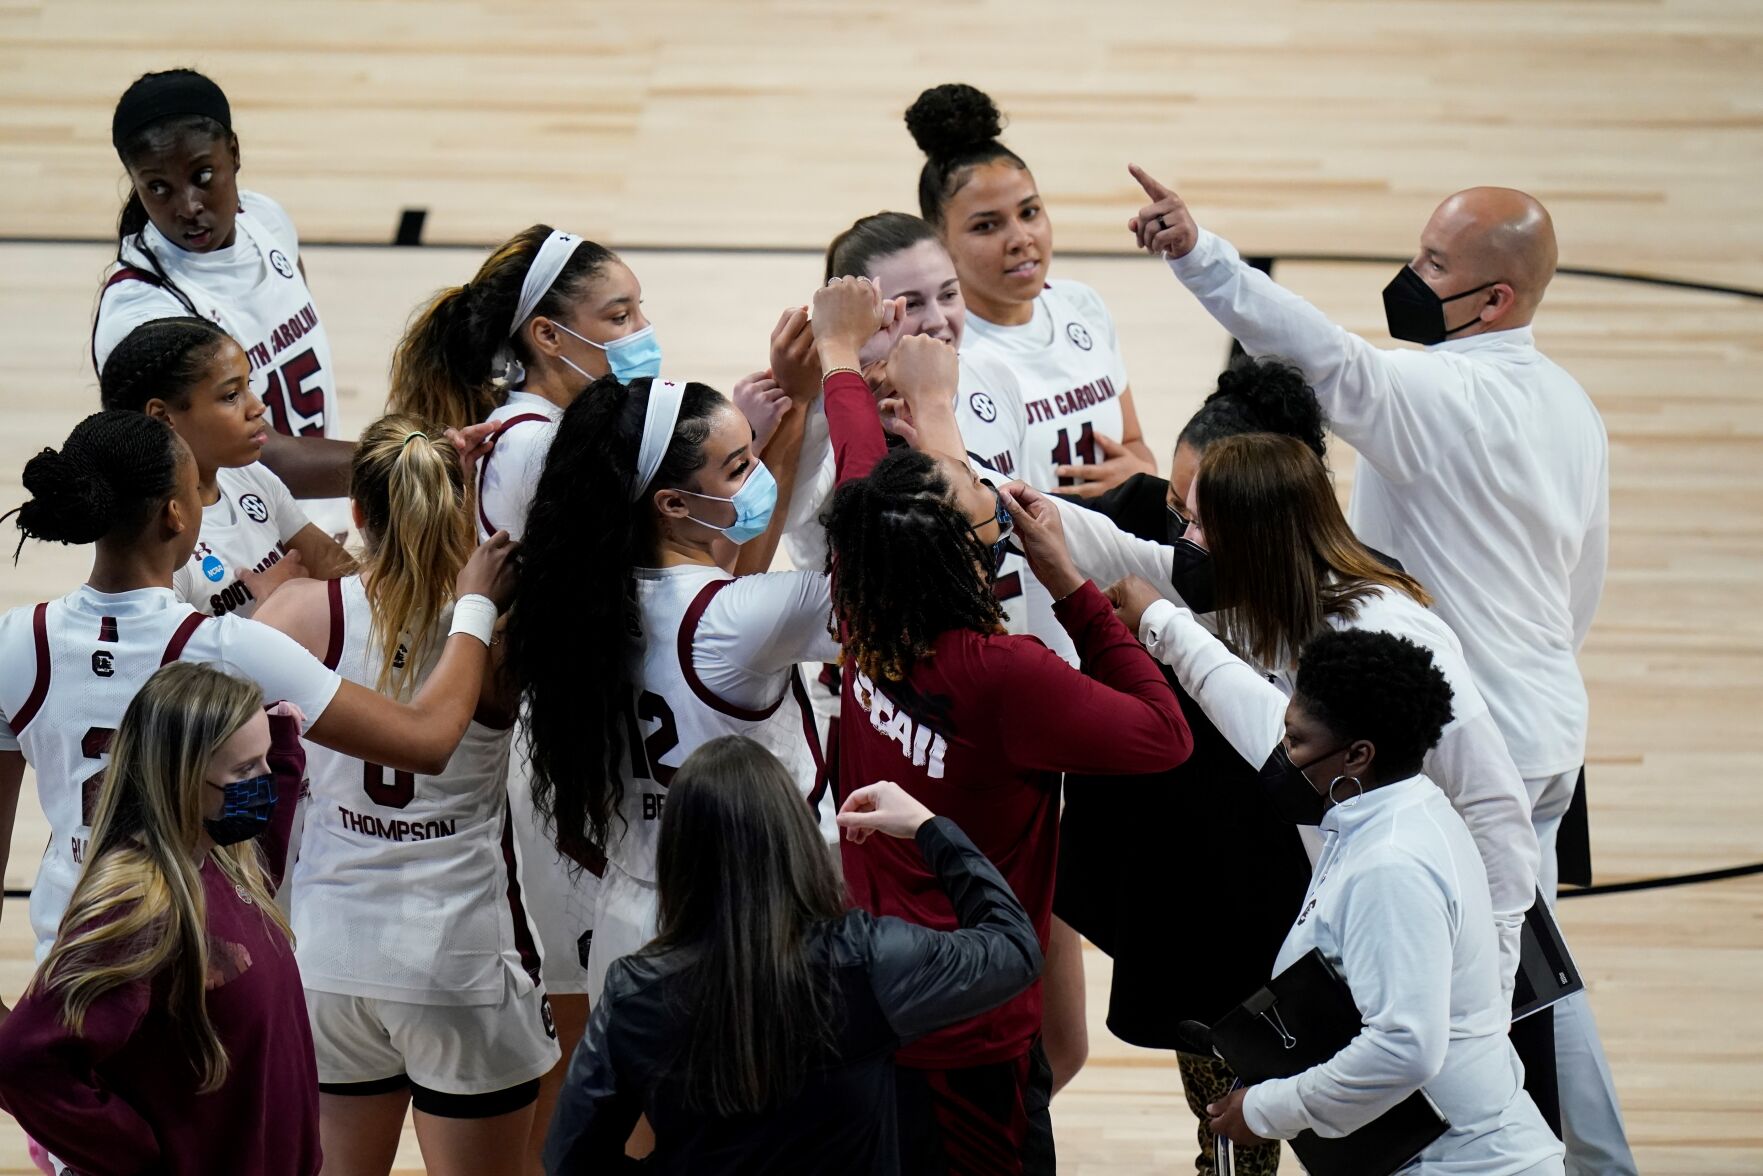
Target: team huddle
pixel 548 811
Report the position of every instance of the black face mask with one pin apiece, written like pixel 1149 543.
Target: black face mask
pixel 1190 569
pixel 245 812
pixel 1416 313
pixel 1293 796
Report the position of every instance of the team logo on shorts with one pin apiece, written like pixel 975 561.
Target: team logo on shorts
pixel 254 506
pixel 545 1016
pixel 983 407
pixel 213 569
pixel 1080 335
pixel 283 266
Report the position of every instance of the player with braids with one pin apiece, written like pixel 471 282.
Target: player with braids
pixel 906 567
pixel 125 482
pixel 976 723
pixel 190 241
pixel 254 537
pixel 1056 336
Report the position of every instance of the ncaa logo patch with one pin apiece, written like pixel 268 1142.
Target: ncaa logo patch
pixel 280 261
pixel 254 506
pixel 983 407
pixel 1079 335
pixel 213 569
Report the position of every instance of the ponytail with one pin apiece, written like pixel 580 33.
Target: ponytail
pixel 406 479
pixel 444 369
pixel 570 626
pixel 114 472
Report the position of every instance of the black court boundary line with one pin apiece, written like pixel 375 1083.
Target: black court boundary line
pixel 1090 255
pixel 1077 254
pixel 1662 882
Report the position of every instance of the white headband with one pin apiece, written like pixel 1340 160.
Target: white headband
pixel 553 255
pixel 659 419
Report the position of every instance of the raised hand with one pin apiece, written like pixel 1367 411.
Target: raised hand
pixel 847 312
pixel 794 363
pixel 922 370
pixel 763 401
pixel 1041 535
pixel 1163 227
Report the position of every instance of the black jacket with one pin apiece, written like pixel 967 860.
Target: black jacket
pixel 895 981
pixel 1188 879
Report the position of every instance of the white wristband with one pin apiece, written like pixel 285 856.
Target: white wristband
pixel 475 615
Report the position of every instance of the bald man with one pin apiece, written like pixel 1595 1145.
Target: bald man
pixel 1485 470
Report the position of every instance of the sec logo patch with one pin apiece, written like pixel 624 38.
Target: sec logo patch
pixel 1079 335
pixel 280 261
pixel 213 569
pixel 983 407
pixel 254 507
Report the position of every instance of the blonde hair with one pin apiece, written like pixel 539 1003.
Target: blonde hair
pixel 408 485
pixel 139 908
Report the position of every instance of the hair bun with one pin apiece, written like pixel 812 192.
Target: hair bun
pixel 71 501
pixel 1275 396
pixel 952 118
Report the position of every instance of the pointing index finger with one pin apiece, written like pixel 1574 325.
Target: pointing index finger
pixel 1153 189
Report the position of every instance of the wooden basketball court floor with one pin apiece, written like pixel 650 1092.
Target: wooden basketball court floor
pixel 1301 128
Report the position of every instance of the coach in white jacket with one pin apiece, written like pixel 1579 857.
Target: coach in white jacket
pixel 1486 472
pixel 1398 903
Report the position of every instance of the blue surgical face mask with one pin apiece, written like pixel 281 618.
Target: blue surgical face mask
pixel 753 504
pixel 630 357
pixel 245 812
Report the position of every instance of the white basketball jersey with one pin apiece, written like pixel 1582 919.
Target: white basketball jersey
pixel 74 665
pixel 509 474
pixel 409 885
pixel 673 713
pixel 254 290
pixel 1070 374
pixel 244 529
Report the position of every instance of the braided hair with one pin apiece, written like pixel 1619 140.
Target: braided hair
pixel 113 473
pixel 159 360
pixel 957 127
pixel 909 567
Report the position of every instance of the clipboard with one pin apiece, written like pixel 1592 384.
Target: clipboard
pixel 1304 1017
pixel 1546 973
